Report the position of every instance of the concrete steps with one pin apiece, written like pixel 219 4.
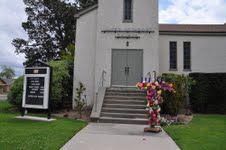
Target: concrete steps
pixel 125 106
pixel 125 94
pixel 123 110
pixel 123 115
pixel 123 120
pixel 119 101
pixel 125 97
pixel 130 106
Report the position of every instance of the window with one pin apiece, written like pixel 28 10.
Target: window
pixel 127 11
pixel 187 55
pixel 173 55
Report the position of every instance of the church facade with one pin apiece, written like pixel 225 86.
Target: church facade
pixel 119 42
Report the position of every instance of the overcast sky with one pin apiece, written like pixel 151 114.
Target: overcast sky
pixel 170 11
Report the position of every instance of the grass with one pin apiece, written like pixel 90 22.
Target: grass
pixel 27 135
pixel 205 132
pixel 4 106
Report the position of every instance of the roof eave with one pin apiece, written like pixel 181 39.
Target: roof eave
pixel 85 11
pixel 192 33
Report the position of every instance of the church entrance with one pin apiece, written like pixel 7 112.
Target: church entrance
pixel 127 67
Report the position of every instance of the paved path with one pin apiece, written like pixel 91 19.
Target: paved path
pixel 98 136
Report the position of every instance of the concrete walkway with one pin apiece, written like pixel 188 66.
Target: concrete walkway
pixel 97 136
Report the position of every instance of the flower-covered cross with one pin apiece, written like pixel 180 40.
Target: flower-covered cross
pixel 154 98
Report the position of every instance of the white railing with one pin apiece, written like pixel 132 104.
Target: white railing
pixel 100 84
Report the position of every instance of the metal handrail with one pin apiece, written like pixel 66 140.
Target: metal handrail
pixel 102 79
pixel 149 75
pixel 155 75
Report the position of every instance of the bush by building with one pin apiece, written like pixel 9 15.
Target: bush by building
pixel 209 93
pixel 175 102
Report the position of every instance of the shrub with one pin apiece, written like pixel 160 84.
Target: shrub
pixel 208 95
pixel 173 103
pixel 16 93
pixel 60 83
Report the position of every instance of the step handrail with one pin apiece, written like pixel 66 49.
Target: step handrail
pixel 149 75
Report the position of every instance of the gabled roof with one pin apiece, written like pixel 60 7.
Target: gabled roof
pixel 2 81
pixel 7 81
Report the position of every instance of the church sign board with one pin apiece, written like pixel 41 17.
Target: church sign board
pixel 36 88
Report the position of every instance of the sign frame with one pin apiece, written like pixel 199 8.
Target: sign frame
pixel 46 88
pixel 47 75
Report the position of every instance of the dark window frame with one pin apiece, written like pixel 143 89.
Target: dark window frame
pixel 187 56
pixel 173 63
pixel 129 18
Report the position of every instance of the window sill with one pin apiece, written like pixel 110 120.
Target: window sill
pixel 127 21
pixel 187 70
pixel 173 70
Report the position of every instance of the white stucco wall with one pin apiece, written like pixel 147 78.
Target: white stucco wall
pixel 94 48
pixel 84 68
pixel 208 53
pixel 110 16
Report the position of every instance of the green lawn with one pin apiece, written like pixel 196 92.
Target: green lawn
pixel 205 132
pixel 30 135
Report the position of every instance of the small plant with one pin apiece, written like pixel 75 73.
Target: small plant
pixel 80 99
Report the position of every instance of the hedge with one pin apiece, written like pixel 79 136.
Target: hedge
pixel 208 95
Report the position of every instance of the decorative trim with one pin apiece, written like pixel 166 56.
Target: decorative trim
pixel 127 31
pixel 127 37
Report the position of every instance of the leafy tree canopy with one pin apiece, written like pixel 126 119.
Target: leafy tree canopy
pixel 50 27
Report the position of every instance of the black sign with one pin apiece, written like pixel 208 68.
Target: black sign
pixel 35 91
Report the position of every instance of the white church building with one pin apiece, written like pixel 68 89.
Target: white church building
pixel 120 41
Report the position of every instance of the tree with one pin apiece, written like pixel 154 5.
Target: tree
pixel 7 72
pixel 50 27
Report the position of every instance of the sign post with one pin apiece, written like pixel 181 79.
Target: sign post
pixel 37 89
